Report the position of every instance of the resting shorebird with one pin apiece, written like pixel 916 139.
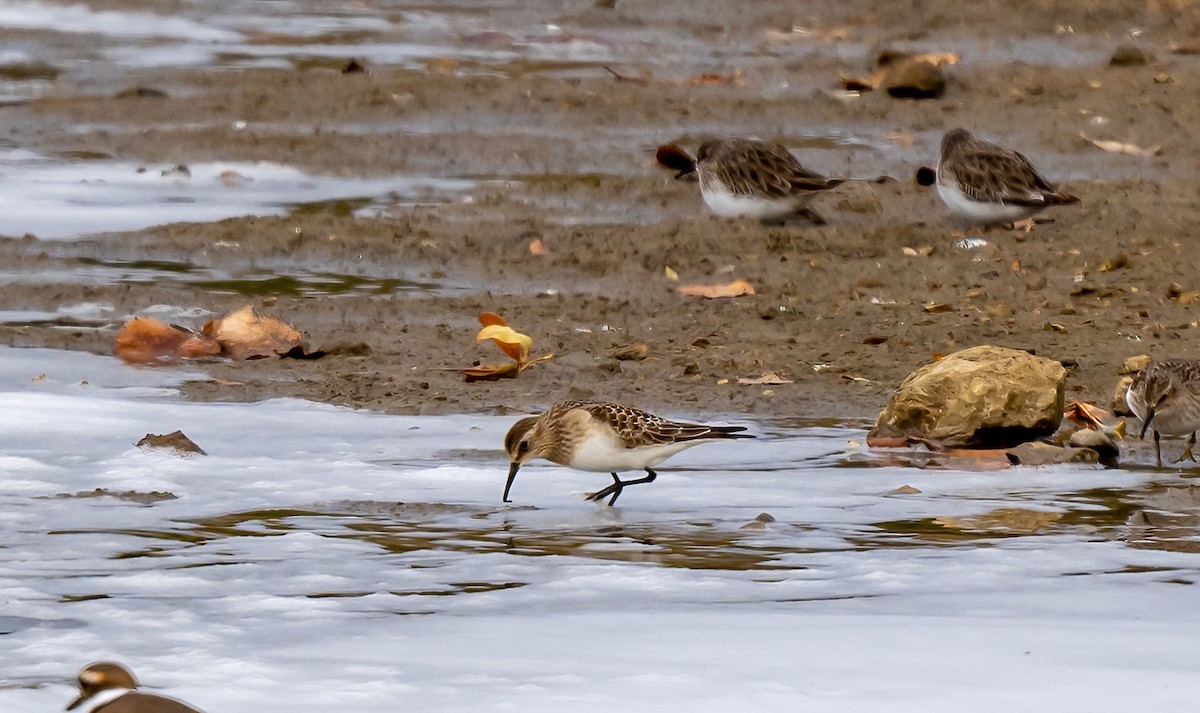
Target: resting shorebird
pixel 748 178
pixel 1167 395
pixel 604 438
pixel 989 184
pixel 111 688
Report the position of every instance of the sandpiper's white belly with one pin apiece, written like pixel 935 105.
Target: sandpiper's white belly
pixel 602 454
pixel 981 211
pixel 726 204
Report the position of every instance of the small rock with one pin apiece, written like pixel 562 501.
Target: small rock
pixel 1119 405
pixel 1128 55
pixel 982 397
pixel 1135 364
pixel 1037 453
pixel 760 522
pixel 914 79
pixel 176 441
pixel 1099 442
pixel 354 67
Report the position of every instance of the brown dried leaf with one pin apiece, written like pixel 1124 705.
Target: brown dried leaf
pixel 936 307
pixel 487 319
pixel 491 372
pixel 247 334
pixel 737 288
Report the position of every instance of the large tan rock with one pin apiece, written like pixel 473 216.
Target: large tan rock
pixel 982 397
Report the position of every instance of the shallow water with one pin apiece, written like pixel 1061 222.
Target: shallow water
pixel 60 198
pixel 318 556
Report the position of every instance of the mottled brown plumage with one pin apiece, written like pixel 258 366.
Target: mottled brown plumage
pixel 998 184
pixel 1166 398
pixel 604 437
pixel 111 688
pixel 749 167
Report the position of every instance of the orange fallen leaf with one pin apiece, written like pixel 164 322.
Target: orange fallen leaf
pixel 537 247
pixel 737 288
pixel 487 319
pixel 514 344
pixel 145 340
pixel 246 334
pixel 509 340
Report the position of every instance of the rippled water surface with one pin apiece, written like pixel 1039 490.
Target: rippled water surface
pixel 318 556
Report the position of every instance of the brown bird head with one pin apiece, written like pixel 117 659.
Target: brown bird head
pixel 955 138
pixel 1156 390
pixel 523 443
pixel 101 676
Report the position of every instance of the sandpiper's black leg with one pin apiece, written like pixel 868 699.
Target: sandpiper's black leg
pixel 1157 449
pixel 618 485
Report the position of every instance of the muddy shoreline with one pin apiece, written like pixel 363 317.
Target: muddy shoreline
pixel 561 155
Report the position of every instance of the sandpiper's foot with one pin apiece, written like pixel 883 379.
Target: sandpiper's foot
pixel 1187 451
pixel 618 485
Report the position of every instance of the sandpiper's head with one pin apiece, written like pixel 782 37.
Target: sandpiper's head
pixel 101 676
pixel 707 150
pixel 523 443
pixel 676 159
pixel 955 138
pixel 1156 389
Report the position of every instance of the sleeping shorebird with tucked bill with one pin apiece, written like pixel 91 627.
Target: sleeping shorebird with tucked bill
pixel 110 688
pixel 605 438
pixel 989 184
pixel 1166 397
pixel 748 178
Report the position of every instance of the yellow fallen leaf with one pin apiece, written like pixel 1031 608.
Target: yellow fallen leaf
pixel 737 288
pixel 510 341
pixel 670 274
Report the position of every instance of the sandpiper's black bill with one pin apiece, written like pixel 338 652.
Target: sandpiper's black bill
pixel 1146 422
pixel 512 475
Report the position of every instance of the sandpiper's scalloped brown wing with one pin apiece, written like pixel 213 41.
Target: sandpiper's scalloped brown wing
pixel 993 174
pixel 757 168
pixel 638 428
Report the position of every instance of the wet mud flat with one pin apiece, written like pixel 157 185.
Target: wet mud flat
pixel 553 149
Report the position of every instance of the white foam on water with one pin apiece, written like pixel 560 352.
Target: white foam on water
pixel 321 557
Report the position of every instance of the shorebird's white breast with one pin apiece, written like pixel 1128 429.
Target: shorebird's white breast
pixel 1133 399
pixel 980 211
pixel 726 204
pixel 603 453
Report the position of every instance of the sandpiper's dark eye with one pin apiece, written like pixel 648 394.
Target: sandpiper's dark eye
pixel 522 447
